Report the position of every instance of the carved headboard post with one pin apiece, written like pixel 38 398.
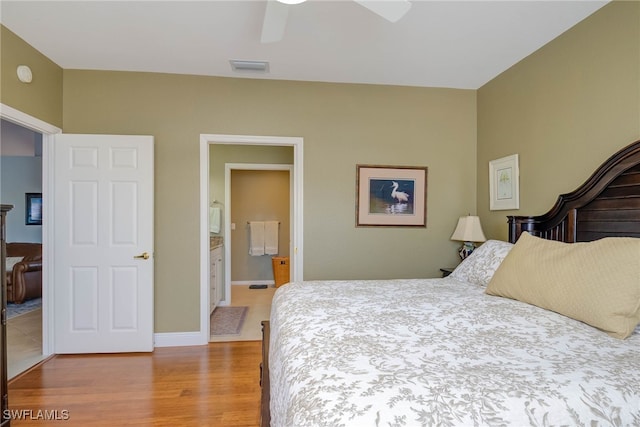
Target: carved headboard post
pixel 518 224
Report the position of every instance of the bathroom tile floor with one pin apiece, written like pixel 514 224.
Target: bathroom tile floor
pixel 259 303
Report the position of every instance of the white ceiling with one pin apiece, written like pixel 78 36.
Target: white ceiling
pixel 455 44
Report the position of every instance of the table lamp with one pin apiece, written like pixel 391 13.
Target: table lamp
pixel 468 231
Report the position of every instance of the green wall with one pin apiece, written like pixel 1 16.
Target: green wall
pixel 342 125
pixel 42 98
pixel 220 154
pixel 564 109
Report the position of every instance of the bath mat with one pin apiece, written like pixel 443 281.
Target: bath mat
pixel 228 320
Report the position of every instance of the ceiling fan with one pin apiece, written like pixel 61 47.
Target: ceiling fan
pixel 275 16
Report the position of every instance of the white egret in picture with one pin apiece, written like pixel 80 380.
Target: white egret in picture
pixel 394 197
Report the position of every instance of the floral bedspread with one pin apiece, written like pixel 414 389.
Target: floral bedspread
pixel 438 352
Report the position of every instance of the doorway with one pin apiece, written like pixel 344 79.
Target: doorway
pixel 262 193
pixel 296 245
pixel 21 158
pixel 257 192
pixel 30 123
pixel 50 159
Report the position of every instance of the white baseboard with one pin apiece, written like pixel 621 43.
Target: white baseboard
pixel 253 282
pixel 178 339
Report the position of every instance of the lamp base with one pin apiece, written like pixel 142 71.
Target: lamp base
pixel 466 249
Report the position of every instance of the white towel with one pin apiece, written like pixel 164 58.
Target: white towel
pixel 214 220
pixel 271 237
pixel 256 238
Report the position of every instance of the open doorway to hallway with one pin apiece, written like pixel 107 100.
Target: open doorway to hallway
pixel 21 180
pixel 47 131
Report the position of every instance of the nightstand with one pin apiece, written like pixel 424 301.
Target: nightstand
pixel 447 271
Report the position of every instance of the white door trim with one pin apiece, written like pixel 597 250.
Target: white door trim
pixel 48 263
pixel 25 120
pixel 296 219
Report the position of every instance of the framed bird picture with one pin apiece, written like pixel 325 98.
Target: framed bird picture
pixel 391 196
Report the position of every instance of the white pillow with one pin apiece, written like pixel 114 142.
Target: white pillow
pixel 478 268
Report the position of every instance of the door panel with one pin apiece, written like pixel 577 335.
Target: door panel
pixel 84 213
pixel 125 220
pixel 124 291
pixel 84 297
pixel 103 210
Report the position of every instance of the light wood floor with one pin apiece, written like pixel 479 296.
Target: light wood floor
pixel 24 342
pixel 24 332
pixel 212 385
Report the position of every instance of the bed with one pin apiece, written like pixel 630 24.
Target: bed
pixel 461 350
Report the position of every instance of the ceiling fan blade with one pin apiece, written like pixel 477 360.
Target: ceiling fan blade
pixel 275 21
pixel 391 10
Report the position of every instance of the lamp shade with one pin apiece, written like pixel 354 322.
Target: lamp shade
pixel 468 230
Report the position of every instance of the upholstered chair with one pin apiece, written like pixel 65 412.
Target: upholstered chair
pixel 24 271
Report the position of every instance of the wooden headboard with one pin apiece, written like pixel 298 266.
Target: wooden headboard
pixel 607 204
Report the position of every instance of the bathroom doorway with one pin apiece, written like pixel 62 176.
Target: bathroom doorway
pixel 211 179
pixel 257 194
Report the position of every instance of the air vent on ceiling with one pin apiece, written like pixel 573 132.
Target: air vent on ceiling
pixel 254 66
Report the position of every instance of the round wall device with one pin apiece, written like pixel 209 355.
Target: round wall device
pixel 24 74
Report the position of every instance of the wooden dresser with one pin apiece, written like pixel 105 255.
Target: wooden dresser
pixel 265 384
pixel 4 393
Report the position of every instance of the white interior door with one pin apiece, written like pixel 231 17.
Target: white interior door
pixel 103 243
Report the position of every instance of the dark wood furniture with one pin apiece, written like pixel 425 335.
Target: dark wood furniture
pixel 606 205
pixel 265 397
pixel 4 393
pixel 447 271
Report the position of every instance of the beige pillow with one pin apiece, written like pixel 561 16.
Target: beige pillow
pixel 595 282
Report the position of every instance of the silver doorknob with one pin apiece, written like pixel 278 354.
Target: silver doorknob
pixel 143 255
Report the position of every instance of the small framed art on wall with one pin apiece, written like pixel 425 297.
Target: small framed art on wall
pixel 504 191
